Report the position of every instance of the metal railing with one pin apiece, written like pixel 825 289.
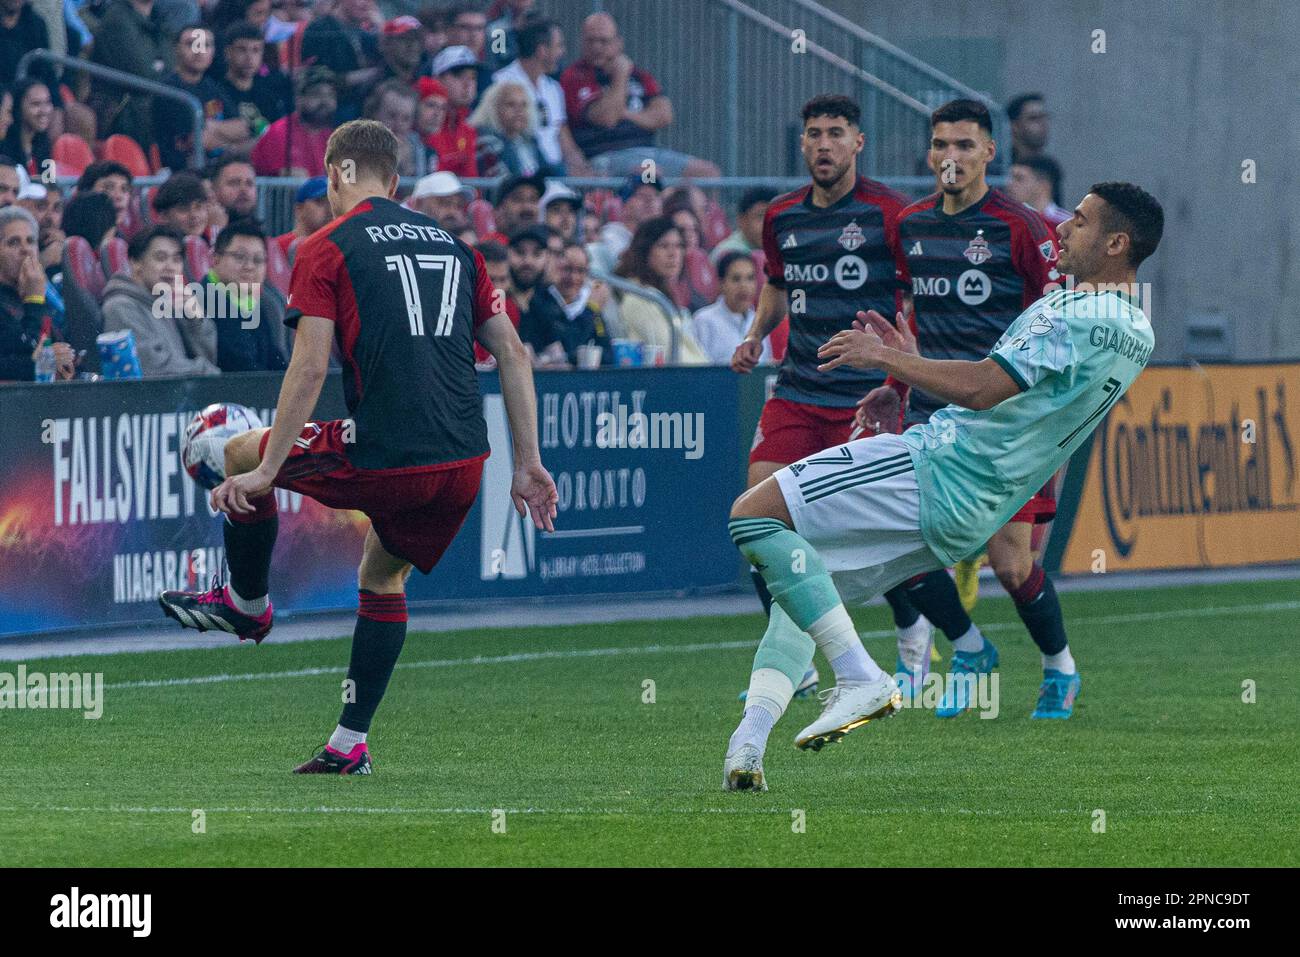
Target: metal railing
pixel 656 299
pixel 128 80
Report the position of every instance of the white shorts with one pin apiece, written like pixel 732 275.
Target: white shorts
pixel 859 506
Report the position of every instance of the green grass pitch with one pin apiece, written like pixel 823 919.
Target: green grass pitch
pixel 555 733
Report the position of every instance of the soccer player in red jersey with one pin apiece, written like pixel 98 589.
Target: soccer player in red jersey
pixel 404 301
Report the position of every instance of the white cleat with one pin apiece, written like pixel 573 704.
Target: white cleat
pixel 743 770
pixel 849 705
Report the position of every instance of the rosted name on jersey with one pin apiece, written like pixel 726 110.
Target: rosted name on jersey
pixel 392 232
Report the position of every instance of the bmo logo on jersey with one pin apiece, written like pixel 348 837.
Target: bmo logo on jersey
pixel 850 272
pixel 974 287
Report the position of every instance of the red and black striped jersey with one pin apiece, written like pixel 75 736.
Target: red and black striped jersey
pixel 405 297
pixel 831 261
pixel 971 275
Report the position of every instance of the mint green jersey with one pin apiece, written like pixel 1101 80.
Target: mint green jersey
pixel 1073 354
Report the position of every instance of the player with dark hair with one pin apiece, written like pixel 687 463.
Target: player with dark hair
pixel 404 301
pixel 830 249
pixel 1036 182
pixel 975 258
pixel 851 521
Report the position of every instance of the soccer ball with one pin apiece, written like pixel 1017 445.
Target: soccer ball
pixel 203 450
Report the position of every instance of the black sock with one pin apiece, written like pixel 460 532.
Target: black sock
pixel 250 539
pixel 764 595
pixel 905 613
pixel 935 595
pixel 1040 610
pixel 376 644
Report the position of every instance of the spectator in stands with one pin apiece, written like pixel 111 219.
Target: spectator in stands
pixel 1029 125
pixel 401 47
pixel 178 340
pixel 182 204
pixel 442 196
pixel 541 318
pixel 430 113
pixel 114 181
pixel 654 260
pixel 23 29
pixel 506 124
pixel 583 304
pixel 1035 181
pixel 393 103
pixel 234 186
pixel 28 139
pixel 294 145
pixel 248 313
pixel 434 20
pixel 560 207
pixel 467 27
pixel 456 143
pixel 688 224
pixel 131 40
pixel 641 202
pixel 503 32
pixel 6 112
pixel 518 203
pixel 719 328
pixel 615 108
pixel 25 320
pixel 46 205
pixel 345 41
pixel 10 182
pixel 227 13
pixel 497 260
pixel 173 123
pixel 541 48
pixel 91 217
pixel 249 88
pixel 748 235
pixel 311 211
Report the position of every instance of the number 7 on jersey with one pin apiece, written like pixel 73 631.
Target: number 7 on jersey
pixel 405 270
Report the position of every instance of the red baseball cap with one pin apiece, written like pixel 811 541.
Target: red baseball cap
pixel 427 86
pixel 399 25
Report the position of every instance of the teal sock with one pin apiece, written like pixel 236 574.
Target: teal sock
pixel 800 584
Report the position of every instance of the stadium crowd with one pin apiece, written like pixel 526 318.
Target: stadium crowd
pixel 473 90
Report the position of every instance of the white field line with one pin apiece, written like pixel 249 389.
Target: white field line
pixel 573 653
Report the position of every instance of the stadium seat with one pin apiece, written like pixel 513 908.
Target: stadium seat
pixel 277 266
pixel 122 149
pixel 71 155
pixel 155 159
pixel 715 227
pixel 701 277
pixel 198 258
pixel 84 266
pixel 134 220
pixel 114 258
pixel 480 214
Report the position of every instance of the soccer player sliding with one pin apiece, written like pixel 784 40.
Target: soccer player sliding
pixel 851 522
pixel 405 301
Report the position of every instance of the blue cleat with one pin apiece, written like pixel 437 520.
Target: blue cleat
pixel 1057 694
pixel 807 685
pixel 961 678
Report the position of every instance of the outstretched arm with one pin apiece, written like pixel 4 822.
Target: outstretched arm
pixel 532 488
pixel 876 344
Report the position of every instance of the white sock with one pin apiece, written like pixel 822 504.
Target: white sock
pixel 970 642
pixel 1062 661
pixel 856 665
pixel 839 641
pixel 755 726
pixel 915 631
pixel 345 739
pixel 249 606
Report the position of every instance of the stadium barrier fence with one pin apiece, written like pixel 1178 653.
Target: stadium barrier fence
pixel 1195 467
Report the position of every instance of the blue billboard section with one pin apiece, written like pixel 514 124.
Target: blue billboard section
pixel 97 516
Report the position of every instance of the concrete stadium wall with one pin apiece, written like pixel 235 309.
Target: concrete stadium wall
pixel 1184 94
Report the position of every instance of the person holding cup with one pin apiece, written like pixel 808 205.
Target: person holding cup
pixel 584 335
